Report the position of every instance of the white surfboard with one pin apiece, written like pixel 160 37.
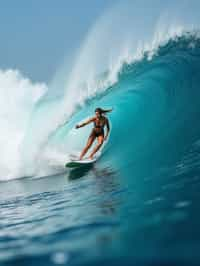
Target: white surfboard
pixel 75 162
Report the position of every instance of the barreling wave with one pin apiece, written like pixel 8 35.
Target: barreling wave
pixel 156 103
pixel 156 106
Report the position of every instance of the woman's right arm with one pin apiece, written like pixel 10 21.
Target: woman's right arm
pixel 86 122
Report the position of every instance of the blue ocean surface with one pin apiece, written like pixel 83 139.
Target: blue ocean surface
pixel 139 203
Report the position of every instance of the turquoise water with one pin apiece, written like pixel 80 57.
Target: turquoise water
pixel 138 204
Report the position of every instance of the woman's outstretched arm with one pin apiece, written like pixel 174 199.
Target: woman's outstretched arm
pixel 86 122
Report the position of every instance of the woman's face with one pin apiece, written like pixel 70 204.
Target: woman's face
pixel 97 114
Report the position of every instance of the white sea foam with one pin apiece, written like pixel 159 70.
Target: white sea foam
pixel 18 96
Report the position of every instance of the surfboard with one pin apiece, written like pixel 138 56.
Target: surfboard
pixel 75 162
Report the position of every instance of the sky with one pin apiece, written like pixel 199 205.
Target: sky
pixel 36 36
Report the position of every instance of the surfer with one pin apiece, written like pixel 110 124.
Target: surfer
pixel 100 121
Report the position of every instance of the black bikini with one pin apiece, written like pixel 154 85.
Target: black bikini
pixel 98 130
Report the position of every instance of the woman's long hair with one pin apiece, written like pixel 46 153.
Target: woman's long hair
pixel 103 111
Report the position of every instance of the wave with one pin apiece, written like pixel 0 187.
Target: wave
pixel 150 77
pixel 155 98
pixel 156 106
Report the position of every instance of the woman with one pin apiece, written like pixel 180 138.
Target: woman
pixel 99 121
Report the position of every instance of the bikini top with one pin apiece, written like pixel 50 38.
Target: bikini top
pixel 98 125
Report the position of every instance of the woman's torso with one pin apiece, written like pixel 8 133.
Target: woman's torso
pixel 99 124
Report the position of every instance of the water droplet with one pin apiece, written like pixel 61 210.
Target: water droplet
pixel 60 258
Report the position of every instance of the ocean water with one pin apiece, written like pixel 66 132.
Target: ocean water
pixel 138 204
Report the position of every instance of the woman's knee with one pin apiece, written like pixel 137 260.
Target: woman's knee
pixel 100 143
pixel 89 143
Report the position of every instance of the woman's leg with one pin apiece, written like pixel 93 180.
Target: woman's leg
pixel 97 147
pixel 88 145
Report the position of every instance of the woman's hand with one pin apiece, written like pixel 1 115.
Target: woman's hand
pixel 77 126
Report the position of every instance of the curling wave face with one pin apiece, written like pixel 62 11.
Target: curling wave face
pixel 156 105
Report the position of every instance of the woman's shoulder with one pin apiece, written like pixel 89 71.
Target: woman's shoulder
pixel 92 119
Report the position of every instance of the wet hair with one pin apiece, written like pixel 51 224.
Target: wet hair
pixel 102 111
